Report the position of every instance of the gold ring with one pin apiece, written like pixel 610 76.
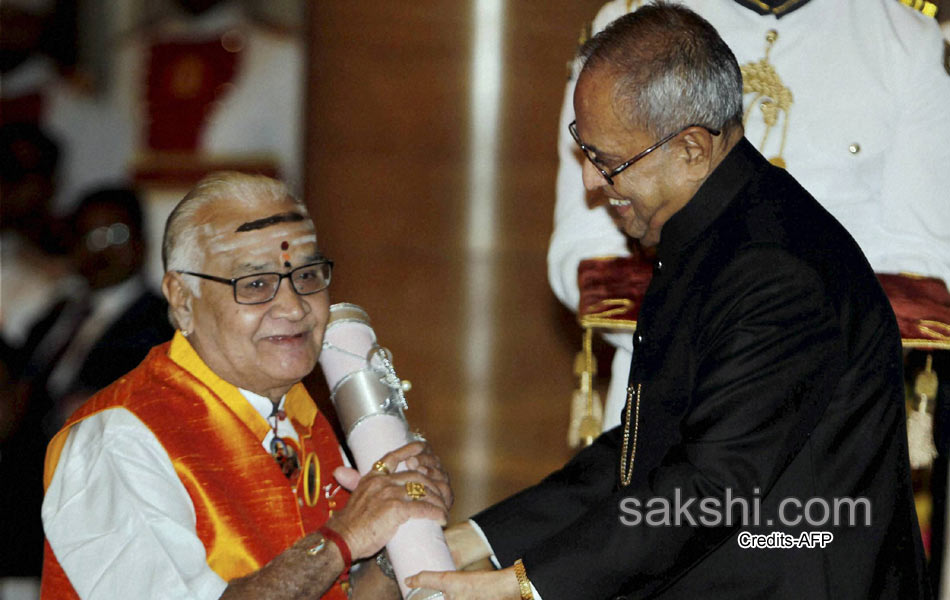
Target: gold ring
pixel 415 490
pixel 381 467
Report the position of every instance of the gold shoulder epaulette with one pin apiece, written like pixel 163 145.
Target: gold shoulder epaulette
pixel 927 8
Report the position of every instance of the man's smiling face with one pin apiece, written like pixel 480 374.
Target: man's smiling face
pixel 264 348
pixel 645 195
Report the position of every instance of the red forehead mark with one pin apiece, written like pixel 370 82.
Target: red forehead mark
pixel 284 245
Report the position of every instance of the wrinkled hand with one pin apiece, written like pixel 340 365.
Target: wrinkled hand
pixel 380 504
pixel 470 585
pixel 429 465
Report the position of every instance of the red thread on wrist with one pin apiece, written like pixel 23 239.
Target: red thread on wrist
pixel 337 539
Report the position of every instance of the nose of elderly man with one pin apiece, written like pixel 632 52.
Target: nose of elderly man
pixel 593 179
pixel 288 304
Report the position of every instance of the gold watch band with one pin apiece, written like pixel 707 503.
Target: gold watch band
pixel 523 583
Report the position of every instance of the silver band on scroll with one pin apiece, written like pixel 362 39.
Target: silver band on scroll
pixel 369 400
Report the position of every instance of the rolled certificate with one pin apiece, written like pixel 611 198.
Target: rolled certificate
pixel 369 400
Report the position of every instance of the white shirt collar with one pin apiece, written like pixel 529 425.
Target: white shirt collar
pixel 262 404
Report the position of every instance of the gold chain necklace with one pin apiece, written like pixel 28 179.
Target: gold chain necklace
pixel 626 471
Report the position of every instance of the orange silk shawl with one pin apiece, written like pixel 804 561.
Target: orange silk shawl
pixel 247 511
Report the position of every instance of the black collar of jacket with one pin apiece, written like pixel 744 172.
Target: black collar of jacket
pixel 712 197
pixel 779 8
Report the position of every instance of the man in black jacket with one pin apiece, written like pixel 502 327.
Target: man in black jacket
pixel 763 451
pixel 107 326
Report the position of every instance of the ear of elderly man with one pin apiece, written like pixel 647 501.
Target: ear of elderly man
pixel 208 471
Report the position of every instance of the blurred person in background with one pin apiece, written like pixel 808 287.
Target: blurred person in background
pixel 20 558
pixel 45 84
pixel 33 255
pixel 204 86
pixel 207 79
pixel 102 327
pixel 110 319
pixel 32 265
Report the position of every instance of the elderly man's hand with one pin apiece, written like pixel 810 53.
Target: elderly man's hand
pixel 381 503
pixel 429 465
pixel 470 585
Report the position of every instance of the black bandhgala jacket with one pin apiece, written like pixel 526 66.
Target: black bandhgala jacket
pixel 769 366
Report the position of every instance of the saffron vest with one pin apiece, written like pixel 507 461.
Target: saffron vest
pixel 247 511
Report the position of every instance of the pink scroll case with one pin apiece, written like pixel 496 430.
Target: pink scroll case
pixel 369 400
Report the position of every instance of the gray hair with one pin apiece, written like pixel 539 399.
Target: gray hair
pixel 181 249
pixel 672 69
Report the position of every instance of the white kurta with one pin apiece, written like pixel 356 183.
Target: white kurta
pixel 119 519
pixel 867 135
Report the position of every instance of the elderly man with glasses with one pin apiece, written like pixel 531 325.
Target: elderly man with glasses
pixel 207 471
pixel 763 452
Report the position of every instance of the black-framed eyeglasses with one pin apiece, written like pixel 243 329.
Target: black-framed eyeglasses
pixel 262 287
pixel 609 175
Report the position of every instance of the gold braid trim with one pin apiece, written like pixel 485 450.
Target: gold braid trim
pixel 927 8
pixel 781 8
pixel 611 308
pixel 761 79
